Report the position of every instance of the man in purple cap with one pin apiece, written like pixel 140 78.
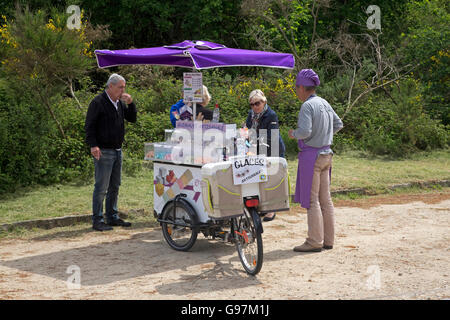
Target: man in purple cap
pixel 316 125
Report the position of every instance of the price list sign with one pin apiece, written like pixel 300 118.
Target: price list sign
pixel 193 86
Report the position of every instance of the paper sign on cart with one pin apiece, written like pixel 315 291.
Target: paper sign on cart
pixel 193 87
pixel 251 169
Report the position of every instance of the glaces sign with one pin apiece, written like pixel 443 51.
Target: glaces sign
pixel 250 169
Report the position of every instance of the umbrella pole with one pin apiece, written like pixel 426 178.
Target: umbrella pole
pixel 198 136
pixel 194 109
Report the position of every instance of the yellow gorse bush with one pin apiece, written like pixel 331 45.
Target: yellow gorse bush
pixel 281 85
pixel 5 36
pixel 87 51
pixel 50 25
pixel 55 26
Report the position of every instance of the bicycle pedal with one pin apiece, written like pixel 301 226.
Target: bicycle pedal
pixel 225 236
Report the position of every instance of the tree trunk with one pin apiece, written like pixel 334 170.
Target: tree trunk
pixel 69 83
pixel 61 130
pixel 49 108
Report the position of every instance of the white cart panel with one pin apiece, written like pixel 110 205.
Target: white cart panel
pixel 170 180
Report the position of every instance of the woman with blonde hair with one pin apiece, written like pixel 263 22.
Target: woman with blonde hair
pixel 183 111
pixel 262 119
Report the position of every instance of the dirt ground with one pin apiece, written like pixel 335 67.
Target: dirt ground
pixel 387 247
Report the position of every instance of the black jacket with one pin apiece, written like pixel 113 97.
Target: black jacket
pixel 269 120
pixel 104 124
pixel 207 113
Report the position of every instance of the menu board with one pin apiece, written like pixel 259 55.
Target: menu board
pixel 193 87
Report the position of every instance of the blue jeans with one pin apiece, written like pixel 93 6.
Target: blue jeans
pixel 107 181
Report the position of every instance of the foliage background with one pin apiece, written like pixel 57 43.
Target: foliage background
pixel 405 116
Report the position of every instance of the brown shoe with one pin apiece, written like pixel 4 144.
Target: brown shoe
pixel 327 247
pixel 306 247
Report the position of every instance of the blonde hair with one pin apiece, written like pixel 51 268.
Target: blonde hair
pixel 206 96
pixel 257 94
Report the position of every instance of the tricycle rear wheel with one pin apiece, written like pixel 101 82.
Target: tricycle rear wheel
pixel 179 230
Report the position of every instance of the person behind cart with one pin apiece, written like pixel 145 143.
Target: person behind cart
pixel 184 111
pixel 316 125
pixel 261 117
pixel 105 132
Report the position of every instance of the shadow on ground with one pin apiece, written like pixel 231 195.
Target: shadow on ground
pixel 147 254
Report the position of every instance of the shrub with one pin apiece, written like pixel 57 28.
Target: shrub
pixel 32 150
pixel 399 128
pixel 148 128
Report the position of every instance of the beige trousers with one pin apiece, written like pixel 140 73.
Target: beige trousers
pixel 321 211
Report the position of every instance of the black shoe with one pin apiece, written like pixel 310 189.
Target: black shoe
pixel 101 226
pixel 327 247
pixel 119 223
pixel 269 219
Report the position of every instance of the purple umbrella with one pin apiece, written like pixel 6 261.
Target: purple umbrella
pixel 195 54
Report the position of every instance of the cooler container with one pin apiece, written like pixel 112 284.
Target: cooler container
pixel 221 198
pixel 274 193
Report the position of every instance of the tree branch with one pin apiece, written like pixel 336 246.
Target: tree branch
pixel 351 88
pixel 73 94
pixel 49 108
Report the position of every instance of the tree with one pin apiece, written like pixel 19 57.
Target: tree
pixel 350 51
pixel 363 59
pixel 284 25
pixel 148 23
pixel 427 41
pixel 41 55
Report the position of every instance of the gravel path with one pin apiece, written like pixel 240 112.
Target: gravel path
pixel 383 251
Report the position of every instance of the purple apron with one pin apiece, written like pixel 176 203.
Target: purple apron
pixel 306 159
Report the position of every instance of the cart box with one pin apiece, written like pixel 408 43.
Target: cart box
pixel 221 198
pixel 274 193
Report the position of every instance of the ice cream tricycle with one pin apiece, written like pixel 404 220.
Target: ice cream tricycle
pixel 213 191
pixel 203 182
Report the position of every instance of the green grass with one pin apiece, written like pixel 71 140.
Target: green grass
pixel 40 202
pixel 356 170
pixel 350 170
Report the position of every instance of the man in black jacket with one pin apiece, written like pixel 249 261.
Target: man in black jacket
pixel 105 131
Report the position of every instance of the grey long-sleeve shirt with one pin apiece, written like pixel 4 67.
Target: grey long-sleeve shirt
pixel 317 122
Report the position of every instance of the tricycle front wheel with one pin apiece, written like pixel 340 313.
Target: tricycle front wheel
pixel 248 240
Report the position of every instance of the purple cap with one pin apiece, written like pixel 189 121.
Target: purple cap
pixel 307 78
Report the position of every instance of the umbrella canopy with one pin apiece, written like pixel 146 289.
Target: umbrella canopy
pixel 194 54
